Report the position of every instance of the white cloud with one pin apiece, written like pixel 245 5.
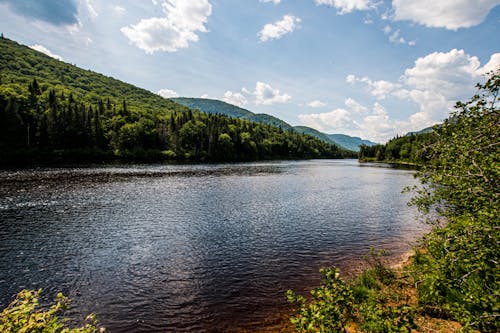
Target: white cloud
pixel 174 31
pixel 167 93
pixel 280 28
pixel 273 1
pixel 119 10
pixel 355 106
pixel 266 95
pixel 91 10
pixel 328 122
pixel 351 79
pixel 316 104
pixel 493 64
pixel 449 14
pixel 434 84
pixel 235 98
pixel 347 6
pixel 43 49
pixel 450 73
pixel 380 89
pixel 395 37
pixel 376 126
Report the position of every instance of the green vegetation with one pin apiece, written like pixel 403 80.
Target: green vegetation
pixel 456 272
pixel 213 106
pixel 53 111
pixel 23 315
pixel 350 142
pixel 410 149
pixel 374 302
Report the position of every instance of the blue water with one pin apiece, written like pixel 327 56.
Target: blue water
pixel 205 248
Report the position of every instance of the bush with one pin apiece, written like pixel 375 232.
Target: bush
pixel 22 315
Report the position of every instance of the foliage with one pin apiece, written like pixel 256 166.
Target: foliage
pixel 412 148
pixel 22 315
pixel 365 302
pixel 50 110
pixel 330 309
pixel 458 275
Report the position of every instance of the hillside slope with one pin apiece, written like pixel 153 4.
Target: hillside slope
pixel 214 106
pixel 51 110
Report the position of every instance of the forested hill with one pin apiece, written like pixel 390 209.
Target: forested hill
pixel 54 111
pixel 214 106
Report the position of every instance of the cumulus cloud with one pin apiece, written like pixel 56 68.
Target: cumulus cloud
pixel 449 14
pixel 235 98
pixel 267 95
pixel 355 106
pixel 434 84
pixel 57 12
pixel 280 28
pixel 380 89
pixel 347 6
pixel 316 104
pixel 448 73
pixel 327 122
pixel 167 93
pixel 174 31
pixel 273 1
pixel 43 49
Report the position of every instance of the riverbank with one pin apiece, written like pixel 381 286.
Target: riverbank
pixel 394 163
pixel 393 285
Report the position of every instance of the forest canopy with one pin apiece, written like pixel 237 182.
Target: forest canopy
pixel 51 110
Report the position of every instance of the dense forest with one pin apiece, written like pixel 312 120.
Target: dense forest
pixel 412 148
pixel 53 111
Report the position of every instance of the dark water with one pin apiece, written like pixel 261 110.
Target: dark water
pixel 195 247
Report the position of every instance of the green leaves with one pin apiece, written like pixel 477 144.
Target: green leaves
pixel 22 316
pixel 331 307
pixel 461 278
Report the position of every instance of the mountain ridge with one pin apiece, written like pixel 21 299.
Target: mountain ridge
pixel 54 112
pixel 214 106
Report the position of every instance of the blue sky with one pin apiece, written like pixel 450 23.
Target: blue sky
pixel 366 68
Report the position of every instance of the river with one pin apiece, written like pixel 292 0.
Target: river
pixel 195 248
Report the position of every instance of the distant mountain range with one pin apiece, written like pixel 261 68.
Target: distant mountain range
pixel 214 106
pixel 422 131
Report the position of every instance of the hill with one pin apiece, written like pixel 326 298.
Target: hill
pixel 54 111
pixel 214 106
pixel 422 131
pixel 350 142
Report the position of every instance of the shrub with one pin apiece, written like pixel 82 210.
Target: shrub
pixel 22 315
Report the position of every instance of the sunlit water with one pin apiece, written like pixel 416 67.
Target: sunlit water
pixel 195 247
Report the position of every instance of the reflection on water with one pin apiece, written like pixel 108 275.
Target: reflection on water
pixel 193 247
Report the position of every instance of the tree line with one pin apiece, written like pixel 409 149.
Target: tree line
pixel 57 122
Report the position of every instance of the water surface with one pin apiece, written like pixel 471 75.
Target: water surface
pixel 200 248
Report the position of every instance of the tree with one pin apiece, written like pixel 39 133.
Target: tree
pixel 461 274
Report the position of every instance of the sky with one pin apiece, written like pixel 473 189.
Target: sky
pixel 368 68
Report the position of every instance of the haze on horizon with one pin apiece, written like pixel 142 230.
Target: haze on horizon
pixel 366 68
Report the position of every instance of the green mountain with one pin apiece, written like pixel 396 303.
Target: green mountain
pixel 422 131
pixel 350 142
pixel 213 106
pixel 54 111
pixel 311 131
